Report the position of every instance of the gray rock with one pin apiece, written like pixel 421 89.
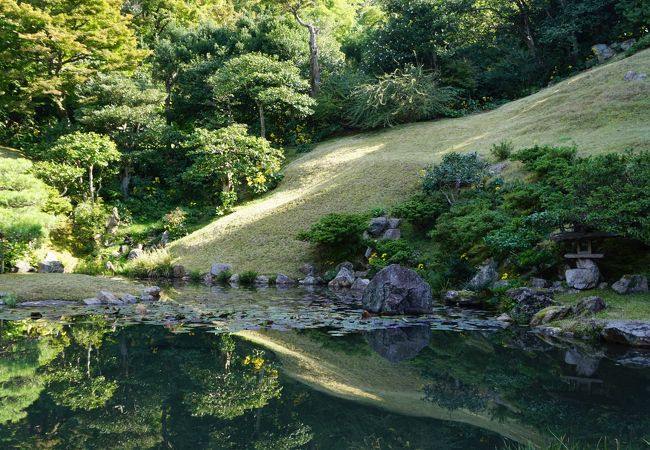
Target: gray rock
pixel 153 291
pixel 129 299
pixel 360 273
pixel 626 45
pixel 398 290
pixel 392 234
pixel 261 281
pixel 109 266
pixel 498 168
pixel 113 222
pixel 135 253
pixel 632 75
pixel 360 284
pixel 399 344
pixel 557 287
pixel 504 318
pixel 631 284
pixel 307 269
pixel 178 271
pixel 603 286
pixel 343 279
pixel 550 314
pixel 589 305
pixel 369 252
pixel 538 283
pixel 107 298
pixel 484 276
pixel 217 268
pixel 394 223
pixel 92 301
pixel 585 276
pixel 377 226
pixel 529 302
pixel 628 332
pixel 148 298
pixel 50 266
pixel 463 298
pixel 603 52
pixel 347 264
pixel 283 280
pixel 234 279
pixel 311 281
pixel 501 284
pixel 23 267
pixel 164 239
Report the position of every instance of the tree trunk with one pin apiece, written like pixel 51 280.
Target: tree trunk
pixel 126 181
pixel 61 111
pixel 262 120
pixel 168 100
pixel 314 65
pixel 91 184
pixel 525 27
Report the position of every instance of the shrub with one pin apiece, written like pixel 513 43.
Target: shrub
pixel 151 264
pixel 406 95
pixel 502 150
pixel 456 171
pixel 421 210
pixel 248 278
pixel 224 277
pixel 175 222
pixel 8 298
pixel 641 44
pixel 88 222
pixel 337 236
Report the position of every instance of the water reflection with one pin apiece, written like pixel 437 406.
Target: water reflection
pixel 92 382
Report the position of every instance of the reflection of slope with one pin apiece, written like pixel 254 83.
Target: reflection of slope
pixel 370 380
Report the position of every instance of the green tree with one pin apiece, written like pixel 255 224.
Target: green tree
pixel 57 44
pixel 129 110
pixel 263 83
pixel 454 172
pixel 86 155
pixel 22 197
pixel 229 158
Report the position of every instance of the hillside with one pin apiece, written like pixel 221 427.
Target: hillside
pixel 597 111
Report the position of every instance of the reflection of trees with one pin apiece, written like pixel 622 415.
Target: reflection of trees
pixel 451 393
pixel 231 393
pixel 25 346
pixel 73 382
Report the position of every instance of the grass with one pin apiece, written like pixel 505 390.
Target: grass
pixel 597 111
pixel 629 307
pixel 55 286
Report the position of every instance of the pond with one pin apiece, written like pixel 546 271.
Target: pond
pixel 270 369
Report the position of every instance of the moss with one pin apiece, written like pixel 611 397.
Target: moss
pixel 596 110
pixel 629 307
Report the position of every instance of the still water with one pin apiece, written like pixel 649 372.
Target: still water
pixel 236 369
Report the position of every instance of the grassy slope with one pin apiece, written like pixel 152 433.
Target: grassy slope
pixel 56 286
pixel 596 110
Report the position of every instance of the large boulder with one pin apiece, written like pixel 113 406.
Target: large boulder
pixel 343 279
pixel 589 305
pixel 360 284
pixel 550 314
pixel 392 234
pixel 50 266
pixel 585 276
pixel 399 344
pixel 178 271
pixel 631 284
pixel 603 52
pixel 217 268
pixel 311 280
pixel 484 276
pixel 23 267
pixel 628 332
pixel 529 302
pixel 398 290
pixel 283 280
pixel 135 253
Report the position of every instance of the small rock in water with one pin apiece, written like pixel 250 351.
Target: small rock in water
pixel 153 291
pixel 217 268
pixel 283 280
pixel 108 298
pixel 261 281
pixel 234 279
pixel 92 301
pixel 344 279
pixel 360 284
pixel 178 271
pixel 504 318
pixel 129 299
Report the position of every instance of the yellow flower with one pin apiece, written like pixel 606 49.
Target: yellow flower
pixel 384 255
pixel 463 256
pixel 420 266
pixel 498 188
pixel 504 276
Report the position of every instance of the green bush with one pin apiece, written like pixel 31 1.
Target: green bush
pixel 641 44
pixel 175 222
pixel 224 277
pixel 393 252
pixel 8 298
pixel 88 224
pixel 456 171
pixel 337 237
pixel 248 278
pixel 422 210
pixel 406 95
pixel 502 150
